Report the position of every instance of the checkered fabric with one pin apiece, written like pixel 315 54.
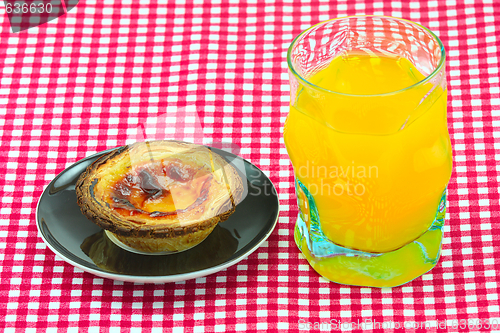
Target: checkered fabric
pixel 104 73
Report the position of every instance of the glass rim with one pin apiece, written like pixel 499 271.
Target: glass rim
pixel 438 68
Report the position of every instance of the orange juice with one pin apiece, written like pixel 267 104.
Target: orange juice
pixel 369 143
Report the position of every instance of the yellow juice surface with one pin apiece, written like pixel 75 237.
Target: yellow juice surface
pixel 372 149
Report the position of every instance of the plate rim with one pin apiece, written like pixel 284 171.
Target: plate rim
pixel 154 278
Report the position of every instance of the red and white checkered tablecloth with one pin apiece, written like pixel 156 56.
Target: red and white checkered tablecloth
pixel 101 76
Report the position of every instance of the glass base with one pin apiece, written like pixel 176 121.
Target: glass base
pixel 346 266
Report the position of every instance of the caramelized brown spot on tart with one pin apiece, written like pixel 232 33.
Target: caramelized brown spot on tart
pixel 160 189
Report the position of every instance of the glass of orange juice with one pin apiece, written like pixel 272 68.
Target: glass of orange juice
pixel 368 139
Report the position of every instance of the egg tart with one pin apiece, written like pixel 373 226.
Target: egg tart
pixel 159 196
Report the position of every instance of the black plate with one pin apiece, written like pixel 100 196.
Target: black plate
pixel 68 233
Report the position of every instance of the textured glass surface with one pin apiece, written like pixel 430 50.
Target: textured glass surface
pixel 352 262
pixel 371 169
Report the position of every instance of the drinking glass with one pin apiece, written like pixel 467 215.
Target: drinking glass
pixel 368 139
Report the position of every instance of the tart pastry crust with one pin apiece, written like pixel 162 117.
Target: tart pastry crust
pixel 160 195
